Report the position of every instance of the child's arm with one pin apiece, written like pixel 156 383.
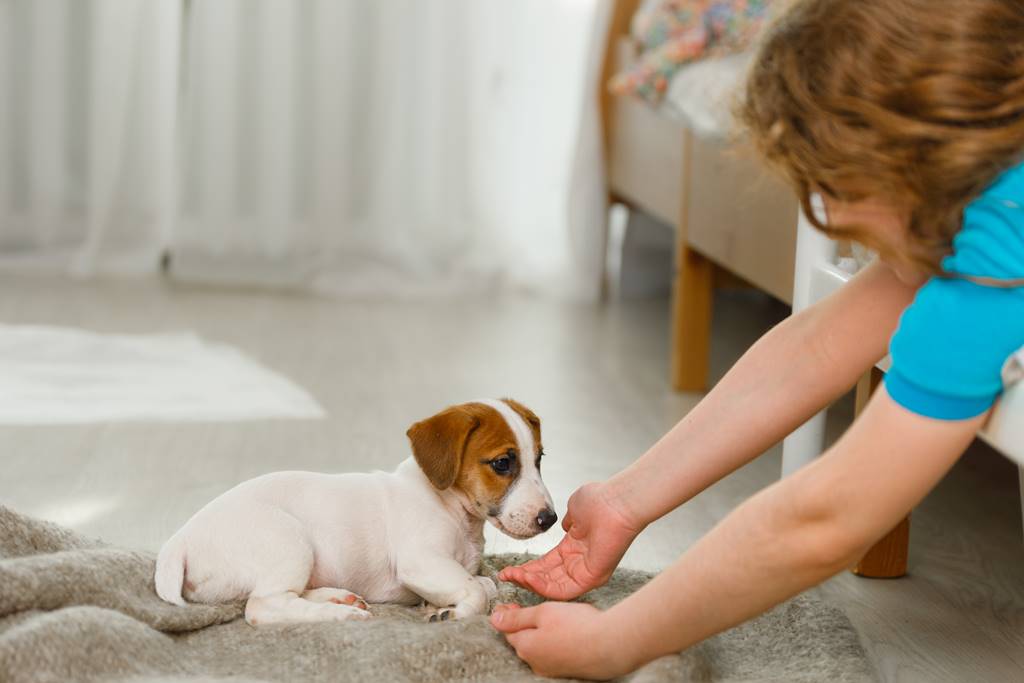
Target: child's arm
pixel 787 376
pixel 790 374
pixel 789 537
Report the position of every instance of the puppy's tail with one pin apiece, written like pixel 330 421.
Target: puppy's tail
pixel 170 571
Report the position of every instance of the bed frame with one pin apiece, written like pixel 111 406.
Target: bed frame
pixel 732 219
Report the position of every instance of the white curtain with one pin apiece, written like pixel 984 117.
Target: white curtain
pixel 358 146
pixel 87 106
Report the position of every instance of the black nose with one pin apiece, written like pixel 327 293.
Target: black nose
pixel 545 518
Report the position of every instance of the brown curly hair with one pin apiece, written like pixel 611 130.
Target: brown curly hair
pixel 918 102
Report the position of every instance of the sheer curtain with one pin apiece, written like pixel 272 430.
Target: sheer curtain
pixel 356 146
pixel 87 109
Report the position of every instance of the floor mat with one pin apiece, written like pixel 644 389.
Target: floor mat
pixel 52 375
pixel 76 609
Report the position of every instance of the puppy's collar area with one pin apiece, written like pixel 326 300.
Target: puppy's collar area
pixel 462 507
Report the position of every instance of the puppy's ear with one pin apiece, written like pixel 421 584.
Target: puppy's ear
pixel 524 412
pixel 439 442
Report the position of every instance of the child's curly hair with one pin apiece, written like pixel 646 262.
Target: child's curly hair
pixel 920 102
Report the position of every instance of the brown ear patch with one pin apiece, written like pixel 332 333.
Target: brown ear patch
pixel 492 439
pixel 439 442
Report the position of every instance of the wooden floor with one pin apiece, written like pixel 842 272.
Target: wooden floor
pixel 597 377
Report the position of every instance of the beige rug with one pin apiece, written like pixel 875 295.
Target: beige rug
pixel 75 609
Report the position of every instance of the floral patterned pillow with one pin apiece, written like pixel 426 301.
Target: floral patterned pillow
pixel 674 32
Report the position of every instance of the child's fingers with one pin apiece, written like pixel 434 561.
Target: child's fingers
pixel 520 573
pixel 513 574
pixel 521 642
pixel 537 581
pixel 566 521
pixel 510 620
pixel 501 606
pixel 524 579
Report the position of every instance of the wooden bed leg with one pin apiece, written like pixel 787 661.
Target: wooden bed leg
pixel 604 287
pixel 887 559
pixel 691 319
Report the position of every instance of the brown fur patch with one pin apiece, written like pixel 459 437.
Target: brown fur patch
pixel 491 440
pixel 455 448
pixel 439 443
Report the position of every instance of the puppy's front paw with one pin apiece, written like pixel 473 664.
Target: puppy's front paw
pixel 489 587
pixel 441 614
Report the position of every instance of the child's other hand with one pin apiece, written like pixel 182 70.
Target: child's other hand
pixel 559 639
pixel 597 535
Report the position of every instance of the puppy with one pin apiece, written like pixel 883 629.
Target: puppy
pixel 301 546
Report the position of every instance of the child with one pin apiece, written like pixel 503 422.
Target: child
pixel 907 116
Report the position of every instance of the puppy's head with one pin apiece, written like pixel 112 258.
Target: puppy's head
pixel 490 451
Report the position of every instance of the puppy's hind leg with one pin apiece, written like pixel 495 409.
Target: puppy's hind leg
pixel 338 596
pixel 289 608
pixel 282 564
pixel 281 597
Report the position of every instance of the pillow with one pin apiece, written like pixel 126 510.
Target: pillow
pixel 674 32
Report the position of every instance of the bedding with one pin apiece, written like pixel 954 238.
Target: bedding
pixel 703 95
pixel 76 609
pixel 672 33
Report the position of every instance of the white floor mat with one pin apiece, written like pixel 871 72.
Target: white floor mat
pixel 70 375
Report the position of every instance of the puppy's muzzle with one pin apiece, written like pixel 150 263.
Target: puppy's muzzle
pixel 546 518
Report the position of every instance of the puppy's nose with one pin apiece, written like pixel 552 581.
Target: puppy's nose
pixel 545 518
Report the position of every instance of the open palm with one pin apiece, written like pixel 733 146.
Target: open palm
pixel 597 536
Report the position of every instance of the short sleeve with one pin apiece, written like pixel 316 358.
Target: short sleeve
pixel 950 347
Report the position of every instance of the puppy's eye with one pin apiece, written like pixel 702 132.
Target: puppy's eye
pixel 503 465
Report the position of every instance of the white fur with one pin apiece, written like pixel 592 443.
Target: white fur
pixel 388 537
pixel 528 495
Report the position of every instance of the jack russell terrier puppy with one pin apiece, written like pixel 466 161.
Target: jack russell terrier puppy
pixel 301 546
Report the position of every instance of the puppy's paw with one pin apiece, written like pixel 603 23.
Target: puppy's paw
pixel 441 614
pixel 332 611
pixel 489 587
pixel 281 609
pixel 337 596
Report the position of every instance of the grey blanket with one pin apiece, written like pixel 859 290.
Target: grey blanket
pixel 76 609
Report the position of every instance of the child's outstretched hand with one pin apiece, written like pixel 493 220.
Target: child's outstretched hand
pixel 570 640
pixel 597 535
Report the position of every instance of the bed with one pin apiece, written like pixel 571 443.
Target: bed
pixel 733 220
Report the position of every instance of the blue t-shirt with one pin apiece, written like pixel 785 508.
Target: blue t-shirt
pixel 952 342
